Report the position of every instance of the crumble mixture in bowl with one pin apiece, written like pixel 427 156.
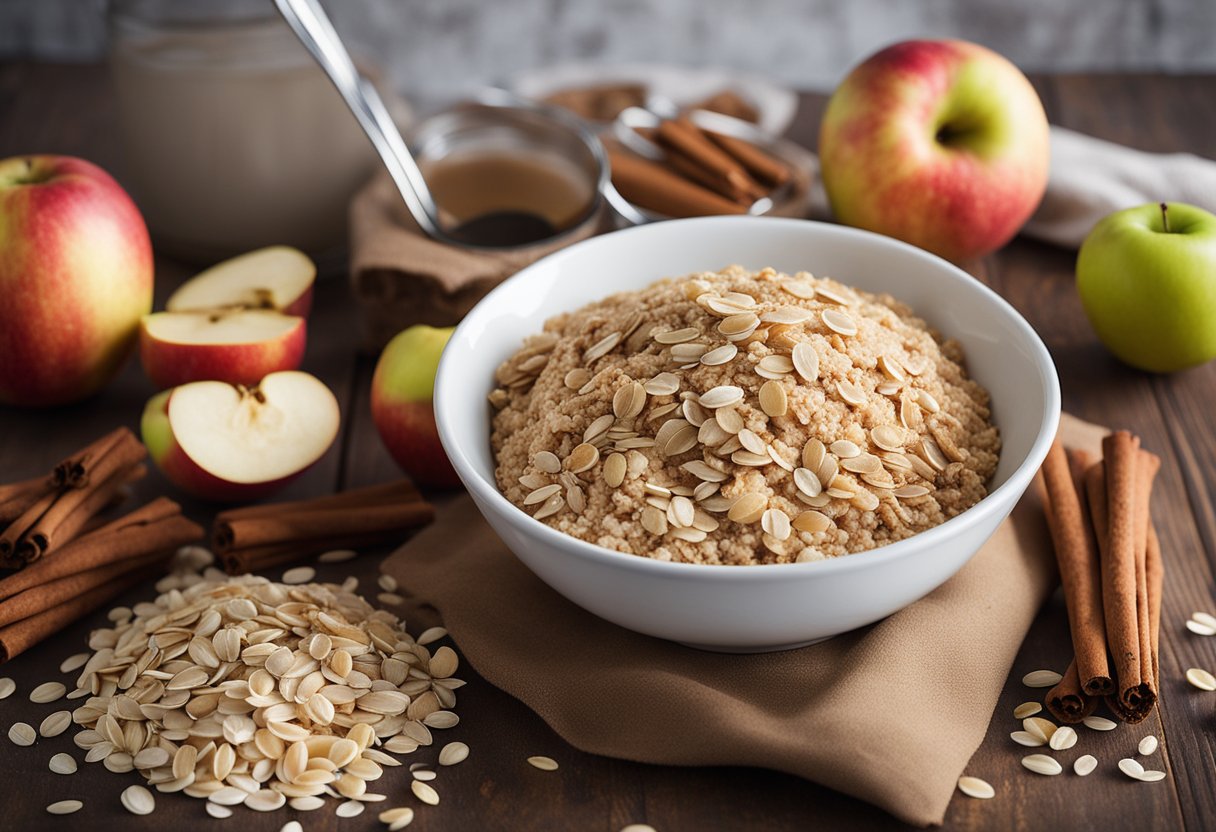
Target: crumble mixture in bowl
pixel 741 417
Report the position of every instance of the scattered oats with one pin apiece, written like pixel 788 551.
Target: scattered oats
pixel 48 692
pixel 308 803
pixel 291 826
pixel 337 556
pixel 615 468
pixel 543 763
pixel 453 753
pixel 1150 776
pixel 1041 679
pixel 1204 618
pixel 664 384
pixel 1131 768
pixel 73 662
pixel 806 361
pixel 911 492
pixel 1026 709
pixel 7 686
pixel 63 763
pixel 138 801
pixel 1099 723
pixel 1039 727
pixel 1201 679
pixel 55 724
pixel 1028 739
pixel 773 400
pixel 430 635
pixel 65 807
pixel 388 583
pixel 265 800
pixel 838 322
pixel 638 827
pixel 602 347
pixel 577 377
pixel 1147 746
pixel 218 811
pixel 975 787
pixel 22 733
pixel 424 774
pixel 299 575
pixel 582 458
pixel 1042 764
pixel 851 393
pixel 391 599
pixel 398 818
pixel 719 355
pixel 1063 738
pixel 1200 629
pixel 349 809
pixel 1085 764
pixel 424 792
pixel 724 396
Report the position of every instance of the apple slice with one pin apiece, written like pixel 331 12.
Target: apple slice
pixel 239 346
pixel 278 277
pixel 230 443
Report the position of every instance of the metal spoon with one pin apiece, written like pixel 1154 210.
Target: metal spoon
pixel 496 229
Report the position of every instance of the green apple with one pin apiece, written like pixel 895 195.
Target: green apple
pixel 1147 279
pixel 402 387
pixel 941 143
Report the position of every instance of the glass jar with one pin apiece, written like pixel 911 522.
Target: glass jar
pixel 234 137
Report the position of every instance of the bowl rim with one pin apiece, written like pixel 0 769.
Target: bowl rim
pixel 487 492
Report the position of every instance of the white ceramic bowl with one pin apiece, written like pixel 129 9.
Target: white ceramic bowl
pixel 749 608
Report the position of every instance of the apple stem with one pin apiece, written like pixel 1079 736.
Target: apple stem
pixel 1165 218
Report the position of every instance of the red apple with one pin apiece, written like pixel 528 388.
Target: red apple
pixel 402 387
pixel 232 443
pixel 278 277
pixel 943 144
pixel 75 277
pixel 239 346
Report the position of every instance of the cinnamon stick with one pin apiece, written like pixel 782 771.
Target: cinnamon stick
pixel 1155 571
pixel 255 558
pixel 689 169
pixel 1067 701
pixel 294 526
pixel 18 527
pixel 687 138
pixel 1115 493
pixel 1077 558
pixel 44 596
pixel 76 470
pixel 74 508
pixel 18 637
pixel 389 492
pixel 17 489
pixel 758 163
pixel 651 186
pixel 157 527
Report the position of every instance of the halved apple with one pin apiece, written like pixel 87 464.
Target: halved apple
pixel 278 277
pixel 229 443
pixel 239 346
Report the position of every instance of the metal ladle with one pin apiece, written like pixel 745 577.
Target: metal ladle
pixel 502 228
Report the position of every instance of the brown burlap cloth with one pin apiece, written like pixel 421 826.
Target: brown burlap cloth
pixel 890 713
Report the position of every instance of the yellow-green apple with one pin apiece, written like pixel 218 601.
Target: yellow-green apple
pixel 1147 280
pixel 229 443
pixel 278 277
pixel 238 346
pixel 402 387
pixel 75 277
pixel 941 143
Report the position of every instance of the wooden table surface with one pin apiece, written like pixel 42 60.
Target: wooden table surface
pixel 67 109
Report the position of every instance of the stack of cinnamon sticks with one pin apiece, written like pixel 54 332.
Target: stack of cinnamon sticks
pixel 39 515
pixel 1111 569
pixel 265 536
pixel 702 172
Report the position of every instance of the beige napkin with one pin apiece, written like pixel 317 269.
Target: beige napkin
pixel 400 276
pixel 890 713
pixel 1091 178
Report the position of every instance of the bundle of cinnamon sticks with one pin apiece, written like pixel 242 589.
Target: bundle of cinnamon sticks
pixel 702 172
pixel 1111 569
pixel 85 573
pixel 41 514
pixel 264 536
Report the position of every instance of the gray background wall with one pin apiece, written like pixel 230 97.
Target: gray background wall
pixel 441 47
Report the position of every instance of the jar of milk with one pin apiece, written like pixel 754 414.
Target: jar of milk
pixel 234 137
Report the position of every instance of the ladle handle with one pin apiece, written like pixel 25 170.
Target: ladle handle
pixel 312 26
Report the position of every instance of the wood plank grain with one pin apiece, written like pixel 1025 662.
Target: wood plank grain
pixel 1165 114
